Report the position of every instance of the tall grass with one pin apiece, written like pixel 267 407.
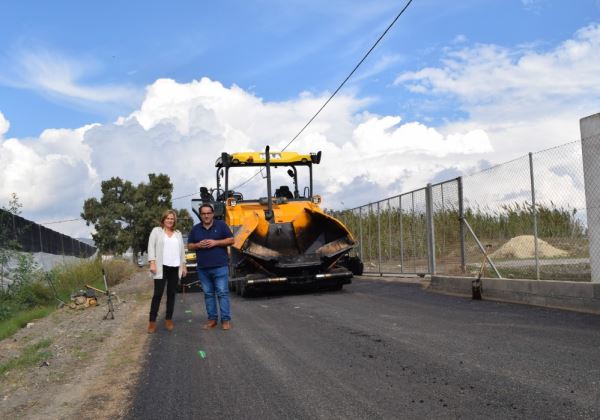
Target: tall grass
pixel 517 219
pixel 404 232
pixel 21 318
pixel 35 293
pixel 70 277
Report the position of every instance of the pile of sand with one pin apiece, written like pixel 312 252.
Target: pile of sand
pixel 524 247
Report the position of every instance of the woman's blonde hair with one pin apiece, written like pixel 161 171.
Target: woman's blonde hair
pixel 165 215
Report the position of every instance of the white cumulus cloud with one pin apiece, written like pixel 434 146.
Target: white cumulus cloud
pixel 181 128
pixel 525 98
pixel 4 125
pixel 515 100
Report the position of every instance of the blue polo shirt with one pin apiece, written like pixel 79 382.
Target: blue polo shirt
pixel 211 257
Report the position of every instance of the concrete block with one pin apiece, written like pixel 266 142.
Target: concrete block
pixel 590 150
pixel 575 296
pixel 563 288
pixel 596 290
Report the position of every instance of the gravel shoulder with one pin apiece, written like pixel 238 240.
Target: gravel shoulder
pixel 93 363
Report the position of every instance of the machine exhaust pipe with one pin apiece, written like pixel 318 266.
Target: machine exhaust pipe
pixel 334 275
pixel 269 212
pixel 285 279
pixel 268 280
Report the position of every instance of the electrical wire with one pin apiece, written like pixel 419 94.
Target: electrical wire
pixel 60 221
pixel 338 88
pixel 185 196
pixel 351 73
pixel 315 115
pixel 80 218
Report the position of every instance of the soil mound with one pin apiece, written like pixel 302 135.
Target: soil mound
pixel 522 247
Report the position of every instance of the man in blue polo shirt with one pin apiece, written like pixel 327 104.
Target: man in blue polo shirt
pixel 210 238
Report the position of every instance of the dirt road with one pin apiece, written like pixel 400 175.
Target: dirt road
pixel 92 363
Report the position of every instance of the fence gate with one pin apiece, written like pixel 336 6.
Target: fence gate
pixel 395 235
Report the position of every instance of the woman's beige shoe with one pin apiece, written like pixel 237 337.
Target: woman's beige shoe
pixel 151 327
pixel 169 325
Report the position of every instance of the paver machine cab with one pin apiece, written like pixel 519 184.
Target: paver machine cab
pixel 283 237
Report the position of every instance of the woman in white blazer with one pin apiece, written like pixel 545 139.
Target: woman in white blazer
pixel 166 255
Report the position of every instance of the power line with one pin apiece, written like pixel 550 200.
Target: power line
pixel 313 117
pixel 60 221
pixel 339 87
pixel 351 73
pixel 246 181
pixel 184 196
pixel 80 218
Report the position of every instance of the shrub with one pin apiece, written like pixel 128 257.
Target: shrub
pixel 118 270
pixel 19 318
pixel 28 290
pixel 34 294
pixel 70 277
pixel 6 307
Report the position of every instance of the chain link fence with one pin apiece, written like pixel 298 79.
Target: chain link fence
pixel 529 215
pixel 447 207
pixel 28 236
pixel 394 237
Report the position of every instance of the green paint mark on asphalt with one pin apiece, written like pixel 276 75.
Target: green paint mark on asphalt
pixel 189 320
pixel 202 354
pixel 188 311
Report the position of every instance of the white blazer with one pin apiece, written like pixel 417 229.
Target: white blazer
pixel 155 250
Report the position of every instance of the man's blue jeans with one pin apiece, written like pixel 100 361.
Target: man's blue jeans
pixel 215 284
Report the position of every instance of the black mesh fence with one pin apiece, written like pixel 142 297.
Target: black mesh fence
pixel 29 236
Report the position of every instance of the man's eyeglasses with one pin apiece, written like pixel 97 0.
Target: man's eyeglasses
pixel 205 214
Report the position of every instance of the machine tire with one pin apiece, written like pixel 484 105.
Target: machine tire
pixel 356 266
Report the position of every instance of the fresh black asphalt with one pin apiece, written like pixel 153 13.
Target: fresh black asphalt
pixel 379 349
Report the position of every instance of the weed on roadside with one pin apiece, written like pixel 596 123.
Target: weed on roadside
pixel 30 356
pixel 21 318
pixel 33 294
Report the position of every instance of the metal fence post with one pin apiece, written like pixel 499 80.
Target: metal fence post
pixel 414 231
pixel 401 237
pixel 430 227
pixel 360 234
pixel 370 234
pixel 534 214
pixel 389 258
pixel 442 230
pixel 379 236
pixel 461 217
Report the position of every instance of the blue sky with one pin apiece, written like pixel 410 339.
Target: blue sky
pixel 82 81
